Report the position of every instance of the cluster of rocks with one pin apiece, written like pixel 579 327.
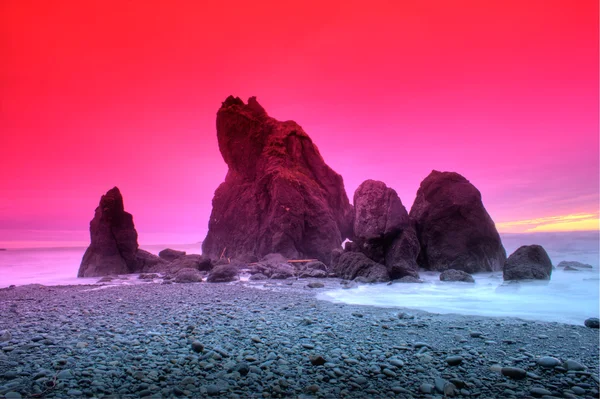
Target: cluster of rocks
pixel 280 197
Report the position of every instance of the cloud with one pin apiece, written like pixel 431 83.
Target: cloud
pixel 570 222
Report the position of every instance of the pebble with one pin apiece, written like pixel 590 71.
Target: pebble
pixel 12 395
pixel 317 360
pixel 315 284
pixel 573 365
pixel 197 347
pixel 537 391
pixel 426 388
pixel 548 362
pixel 513 372
pixel 389 373
pixel 454 360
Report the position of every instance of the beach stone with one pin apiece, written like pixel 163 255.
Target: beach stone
pixel 279 196
pixel 12 395
pixel 592 322
pixel 5 336
pixel 515 373
pixel 427 388
pixel 64 375
pixel 197 347
pixel 456 275
pixel 315 284
pixel 573 365
pixel 453 228
pixel 529 262
pixel 548 362
pixel 258 277
pixel 454 360
pixel 538 392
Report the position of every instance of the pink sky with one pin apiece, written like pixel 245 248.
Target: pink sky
pixel 103 93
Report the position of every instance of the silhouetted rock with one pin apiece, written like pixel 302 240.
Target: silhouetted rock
pixel 592 322
pixel 188 275
pixel 456 275
pixel 453 227
pixel 145 261
pixel 382 230
pixel 191 261
pixel 113 236
pixel 279 196
pixel 223 273
pixel 315 269
pixel 529 262
pixel 574 264
pixel 356 265
pixel 169 254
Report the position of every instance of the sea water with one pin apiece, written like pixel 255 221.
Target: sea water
pixel 569 297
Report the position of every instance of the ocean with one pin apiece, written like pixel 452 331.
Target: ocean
pixel 569 297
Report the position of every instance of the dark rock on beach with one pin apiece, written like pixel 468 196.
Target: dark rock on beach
pixel 382 229
pixel 114 246
pixel 573 265
pixel 592 322
pixel 279 196
pixel 188 275
pixel 169 254
pixel 354 265
pixel 456 275
pixel 191 261
pixel 529 262
pixel 453 227
pixel 223 273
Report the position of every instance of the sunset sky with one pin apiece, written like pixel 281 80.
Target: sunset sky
pixel 95 94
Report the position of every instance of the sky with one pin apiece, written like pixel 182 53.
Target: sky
pixel 101 93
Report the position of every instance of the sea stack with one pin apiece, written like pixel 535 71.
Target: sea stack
pixel 114 246
pixel 453 227
pixel 382 229
pixel 279 196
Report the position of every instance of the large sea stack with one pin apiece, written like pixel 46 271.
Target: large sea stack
pixel 279 196
pixel 453 227
pixel 382 229
pixel 114 246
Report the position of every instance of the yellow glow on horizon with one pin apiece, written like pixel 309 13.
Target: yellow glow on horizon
pixel 572 222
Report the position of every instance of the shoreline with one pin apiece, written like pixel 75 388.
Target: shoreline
pixel 257 342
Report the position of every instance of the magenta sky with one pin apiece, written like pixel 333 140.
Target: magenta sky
pixel 97 94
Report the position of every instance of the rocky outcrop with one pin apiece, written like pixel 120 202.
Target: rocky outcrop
pixel 382 230
pixel 529 262
pixel 356 265
pixel 456 275
pixel 279 196
pixel 453 227
pixel 188 275
pixel 114 247
pixel 191 261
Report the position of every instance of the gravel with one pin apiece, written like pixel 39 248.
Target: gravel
pixel 274 340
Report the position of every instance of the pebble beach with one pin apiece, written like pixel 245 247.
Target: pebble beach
pixel 274 340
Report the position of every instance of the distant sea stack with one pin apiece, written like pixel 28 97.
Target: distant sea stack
pixel 114 246
pixel 453 227
pixel 279 196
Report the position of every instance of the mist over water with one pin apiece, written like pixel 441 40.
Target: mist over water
pixel 570 297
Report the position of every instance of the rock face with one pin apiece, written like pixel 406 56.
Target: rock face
pixel 169 254
pixel 114 245
pixel 454 229
pixel 529 262
pixel 279 196
pixel 382 229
